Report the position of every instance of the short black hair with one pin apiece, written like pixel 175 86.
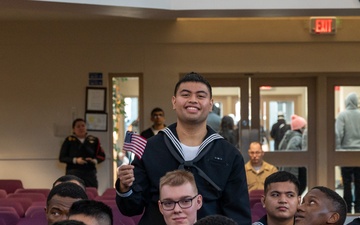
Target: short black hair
pixel 157 109
pixel 281 176
pixel 337 201
pixel 68 178
pixel 99 210
pixel 67 189
pixel 216 220
pixel 77 120
pixel 193 77
pixel 69 222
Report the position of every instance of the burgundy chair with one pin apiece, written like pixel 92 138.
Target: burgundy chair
pixel 3 193
pixel 120 219
pixel 10 186
pixel 4 202
pixel 35 197
pixel 44 191
pixel 257 211
pixel 109 192
pixel 256 193
pixel 35 211
pixel 32 221
pixel 92 192
pixel 9 217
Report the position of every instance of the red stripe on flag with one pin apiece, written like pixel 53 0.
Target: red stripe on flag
pixel 134 143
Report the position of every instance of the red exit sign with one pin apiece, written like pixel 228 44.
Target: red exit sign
pixel 323 25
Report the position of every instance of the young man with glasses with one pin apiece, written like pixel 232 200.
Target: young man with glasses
pixel 179 198
pixel 257 170
pixel 158 118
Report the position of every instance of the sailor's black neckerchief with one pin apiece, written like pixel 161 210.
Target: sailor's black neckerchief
pixel 172 141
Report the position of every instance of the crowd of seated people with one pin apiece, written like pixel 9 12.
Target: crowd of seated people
pixel 68 200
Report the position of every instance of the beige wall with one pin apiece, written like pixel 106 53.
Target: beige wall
pixel 44 68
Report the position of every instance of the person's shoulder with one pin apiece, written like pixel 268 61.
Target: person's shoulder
pixel 91 138
pixel 70 138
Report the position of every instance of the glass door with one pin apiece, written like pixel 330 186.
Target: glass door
pixel 255 104
pixel 344 154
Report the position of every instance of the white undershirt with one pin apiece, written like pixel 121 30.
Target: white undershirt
pixel 190 152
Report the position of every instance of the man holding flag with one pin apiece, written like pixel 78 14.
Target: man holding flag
pixel 189 144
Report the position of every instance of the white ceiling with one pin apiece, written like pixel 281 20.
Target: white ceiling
pixel 172 9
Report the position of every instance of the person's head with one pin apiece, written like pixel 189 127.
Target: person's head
pixel 69 222
pixel 60 199
pixel 321 206
pixel 79 127
pixel 281 115
pixel 227 123
pixel 157 116
pixel 70 178
pixel 192 99
pixel 215 220
pixel 256 154
pixel 351 101
pixel 297 122
pixel 179 198
pixel 91 212
pixel 281 196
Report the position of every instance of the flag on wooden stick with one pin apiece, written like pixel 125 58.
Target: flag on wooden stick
pixel 134 143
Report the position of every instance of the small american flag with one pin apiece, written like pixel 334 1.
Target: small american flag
pixel 134 143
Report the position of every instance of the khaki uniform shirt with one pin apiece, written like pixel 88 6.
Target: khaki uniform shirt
pixel 255 180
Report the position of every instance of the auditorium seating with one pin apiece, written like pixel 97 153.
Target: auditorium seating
pixel 35 212
pixel 14 204
pixel 44 191
pixel 92 192
pixel 35 197
pixel 257 211
pixel 32 221
pixel 9 217
pixel 3 193
pixel 10 186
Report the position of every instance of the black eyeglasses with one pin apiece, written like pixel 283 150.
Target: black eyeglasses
pixel 183 203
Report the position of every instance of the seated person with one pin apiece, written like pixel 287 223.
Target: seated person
pixel 179 198
pixel 91 212
pixel 215 220
pixel 281 198
pixel 70 178
pixel 256 168
pixel 157 116
pixel 321 206
pixel 60 199
pixel 69 222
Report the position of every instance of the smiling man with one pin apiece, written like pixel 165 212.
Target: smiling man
pixel 321 206
pixel 179 198
pixel 218 167
pixel 281 198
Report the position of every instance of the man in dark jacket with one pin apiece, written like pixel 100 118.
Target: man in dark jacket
pixel 189 144
pixel 158 118
pixel 278 130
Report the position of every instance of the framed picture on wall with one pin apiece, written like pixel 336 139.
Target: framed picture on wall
pixel 95 99
pixel 96 121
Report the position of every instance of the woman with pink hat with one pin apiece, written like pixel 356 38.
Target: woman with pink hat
pixel 292 141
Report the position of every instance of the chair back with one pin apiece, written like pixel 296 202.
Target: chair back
pixel 44 191
pixel 9 217
pixel 10 186
pixel 35 197
pixel 4 202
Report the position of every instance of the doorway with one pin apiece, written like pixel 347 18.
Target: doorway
pixel 254 102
